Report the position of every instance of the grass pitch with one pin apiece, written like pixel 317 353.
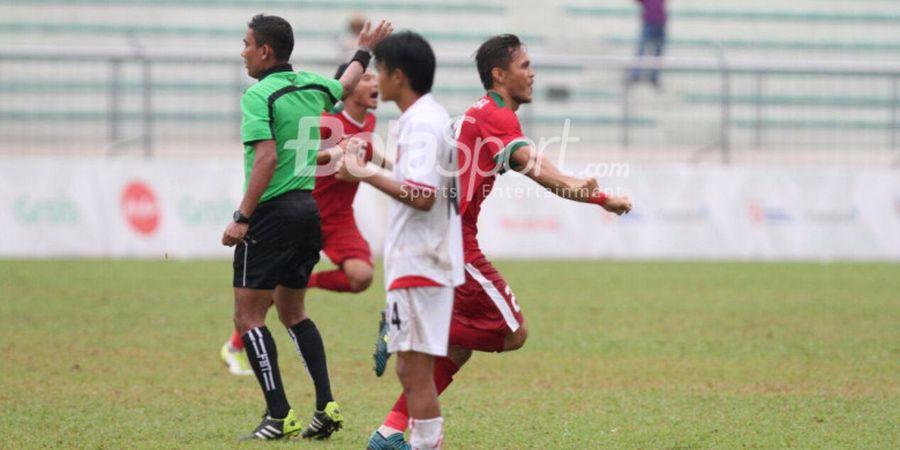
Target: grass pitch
pixel 124 354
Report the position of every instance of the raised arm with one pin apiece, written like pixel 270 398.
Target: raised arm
pixel 585 190
pixel 368 39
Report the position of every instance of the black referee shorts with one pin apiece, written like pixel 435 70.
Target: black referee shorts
pixel 282 244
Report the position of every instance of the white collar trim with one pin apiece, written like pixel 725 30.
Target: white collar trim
pixel 352 120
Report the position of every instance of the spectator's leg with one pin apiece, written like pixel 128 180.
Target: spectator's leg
pixel 657 42
pixel 635 74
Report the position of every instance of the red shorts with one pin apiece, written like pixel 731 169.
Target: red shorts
pixel 485 302
pixel 342 241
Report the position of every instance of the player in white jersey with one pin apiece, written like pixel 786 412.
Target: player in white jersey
pixel 423 248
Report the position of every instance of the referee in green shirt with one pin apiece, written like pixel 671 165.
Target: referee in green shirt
pixel 276 227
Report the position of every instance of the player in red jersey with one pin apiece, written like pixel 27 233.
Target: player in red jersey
pixel 486 316
pixel 341 239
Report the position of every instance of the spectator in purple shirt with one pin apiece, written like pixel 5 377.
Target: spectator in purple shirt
pixel 653 37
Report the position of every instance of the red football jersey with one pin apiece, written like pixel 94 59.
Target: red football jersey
pixel 488 134
pixel 335 197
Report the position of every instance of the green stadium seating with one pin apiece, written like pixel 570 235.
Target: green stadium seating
pixel 468 7
pixel 592 101
pixel 766 44
pixel 742 15
pixel 815 124
pixel 842 101
pixel 214 32
pixel 213 116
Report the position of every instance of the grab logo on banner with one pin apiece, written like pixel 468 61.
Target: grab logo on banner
pixel 140 208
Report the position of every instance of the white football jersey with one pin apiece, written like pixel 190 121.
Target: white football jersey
pixel 424 248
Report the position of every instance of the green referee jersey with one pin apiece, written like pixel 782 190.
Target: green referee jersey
pixel 287 106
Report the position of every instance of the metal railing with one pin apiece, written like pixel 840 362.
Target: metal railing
pixel 577 72
pixel 760 71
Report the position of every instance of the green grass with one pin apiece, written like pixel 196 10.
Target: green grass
pixel 124 354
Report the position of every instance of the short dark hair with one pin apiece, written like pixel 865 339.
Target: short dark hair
pixel 340 70
pixel 495 52
pixel 411 53
pixel 274 32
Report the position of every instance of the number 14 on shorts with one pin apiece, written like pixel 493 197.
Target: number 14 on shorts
pixel 418 319
pixel 393 314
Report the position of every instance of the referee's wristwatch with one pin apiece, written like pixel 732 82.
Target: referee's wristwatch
pixel 240 217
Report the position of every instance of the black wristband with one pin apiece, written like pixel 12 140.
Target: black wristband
pixel 363 57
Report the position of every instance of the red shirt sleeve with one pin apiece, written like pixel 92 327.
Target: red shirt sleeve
pixel 502 134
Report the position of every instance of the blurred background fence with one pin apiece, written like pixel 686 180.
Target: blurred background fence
pixel 813 81
pixel 148 102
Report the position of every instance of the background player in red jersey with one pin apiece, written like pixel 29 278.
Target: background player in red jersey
pixel 486 316
pixel 343 243
pixel 341 239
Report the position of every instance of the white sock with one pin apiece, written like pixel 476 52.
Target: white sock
pixel 387 431
pixel 427 434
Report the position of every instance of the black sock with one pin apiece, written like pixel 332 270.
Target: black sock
pixel 263 357
pixel 312 351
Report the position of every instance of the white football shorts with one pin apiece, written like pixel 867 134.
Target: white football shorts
pixel 418 319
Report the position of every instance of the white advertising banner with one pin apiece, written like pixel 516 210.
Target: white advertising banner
pixel 697 212
pixel 178 208
pixel 116 208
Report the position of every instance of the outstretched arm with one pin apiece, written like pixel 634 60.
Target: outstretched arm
pixel 585 190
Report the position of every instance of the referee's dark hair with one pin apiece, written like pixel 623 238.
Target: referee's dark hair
pixel 274 32
pixel 495 52
pixel 411 53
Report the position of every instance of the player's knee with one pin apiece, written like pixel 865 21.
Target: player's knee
pixel 359 275
pixel 413 372
pixel 516 340
pixel 458 355
pixel 407 375
pixel 290 318
pixel 245 322
pixel 360 282
pixel 290 306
